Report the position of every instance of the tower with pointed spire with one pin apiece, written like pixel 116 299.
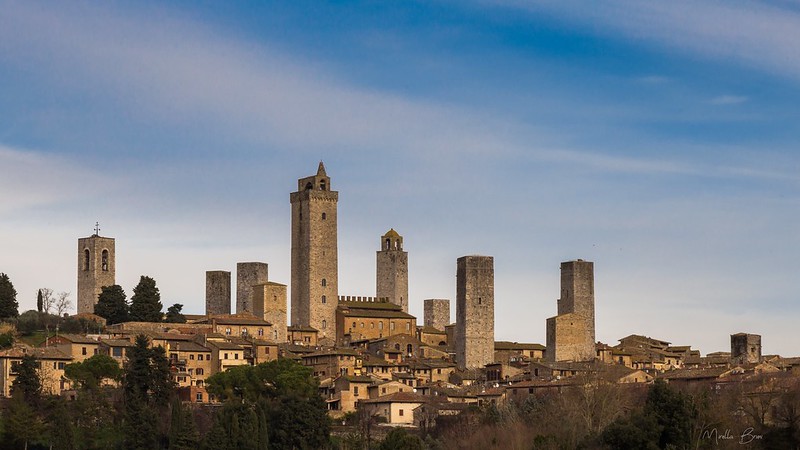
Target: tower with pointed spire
pixel 315 273
pixel 392 273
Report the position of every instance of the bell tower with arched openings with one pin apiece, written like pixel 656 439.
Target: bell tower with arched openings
pixel 392 279
pixel 315 270
pixel 96 268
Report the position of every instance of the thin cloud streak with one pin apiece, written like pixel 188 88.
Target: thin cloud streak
pixel 188 72
pixel 761 36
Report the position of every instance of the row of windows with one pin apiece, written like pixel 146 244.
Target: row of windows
pixel 380 326
pixel 244 331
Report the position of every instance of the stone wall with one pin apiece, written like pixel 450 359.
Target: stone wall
pixel 474 334
pixel 745 348
pixel 248 274
pixel 96 268
pixel 269 303
pixel 437 313
pixel 218 292
pixel 571 334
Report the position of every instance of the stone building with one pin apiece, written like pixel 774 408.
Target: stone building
pixel 437 313
pixel 248 274
pixel 269 303
pixel 96 268
pixel 392 273
pixel 359 318
pixel 314 281
pixel 474 334
pixel 570 334
pixel 218 292
pixel 745 348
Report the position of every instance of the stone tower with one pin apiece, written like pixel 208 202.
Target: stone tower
pixel 570 334
pixel 248 274
pixel 392 281
pixel 269 303
pixel 437 313
pixel 96 268
pixel 745 348
pixel 474 334
pixel 315 273
pixel 218 292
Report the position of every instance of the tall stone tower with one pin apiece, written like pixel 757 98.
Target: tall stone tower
pixel 437 313
pixel 269 303
pixel 218 292
pixel 570 334
pixel 248 274
pixel 96 268
pixel 392 281
pixel 474 311
pixel 745 348
pixel 315 273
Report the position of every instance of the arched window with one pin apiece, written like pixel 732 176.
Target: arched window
pixel 322 185
pixel 480 300
pixel 324 282
pixel 324 299
pixel 104 260
pixel 409 349
pixel 380 326
pixel 408 326
pixel 324 324
pixel 391 326
pixel 388 244
pixel 371 325
pixel 397 346
pixel 86 258
pixel 309 186
pixel 324 216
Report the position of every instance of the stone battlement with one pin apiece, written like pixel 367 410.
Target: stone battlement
pixel 359 298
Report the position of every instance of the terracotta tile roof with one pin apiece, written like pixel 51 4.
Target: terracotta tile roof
pixel 506 345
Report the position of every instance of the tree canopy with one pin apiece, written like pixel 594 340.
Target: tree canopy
pixel 146 301
pixel 111 304
pixel 91 372
pixel 8 298
pixel 174 314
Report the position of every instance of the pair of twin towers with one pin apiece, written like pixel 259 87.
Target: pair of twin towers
pixel 315 262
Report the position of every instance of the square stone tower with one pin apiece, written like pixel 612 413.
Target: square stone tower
pixel 745 348
pixel 248 274
pixel 437 313
pixel 474 334
pixel 570 335
pixel 96 268
pixel 315 273
pixel 392 280
pixel 269 303
pixel 218 292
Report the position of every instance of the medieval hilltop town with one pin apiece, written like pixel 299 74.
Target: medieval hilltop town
pixel 369 354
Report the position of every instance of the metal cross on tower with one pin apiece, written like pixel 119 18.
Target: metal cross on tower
pixel 97 228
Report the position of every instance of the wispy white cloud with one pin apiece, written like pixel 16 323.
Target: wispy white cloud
pixel 32 179
pixel 728 100
pixel 758 34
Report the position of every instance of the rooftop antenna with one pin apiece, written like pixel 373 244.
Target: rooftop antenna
pixel 97 228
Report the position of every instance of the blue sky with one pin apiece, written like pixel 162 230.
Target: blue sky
pixel 658 140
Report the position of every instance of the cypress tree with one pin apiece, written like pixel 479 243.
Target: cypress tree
pixel 8 298
pixel 146 301
pixel 111 304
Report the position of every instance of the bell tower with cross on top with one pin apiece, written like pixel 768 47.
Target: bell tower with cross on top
pixel 96 268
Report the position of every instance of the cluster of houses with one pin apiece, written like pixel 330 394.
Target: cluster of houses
pixel 402 378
